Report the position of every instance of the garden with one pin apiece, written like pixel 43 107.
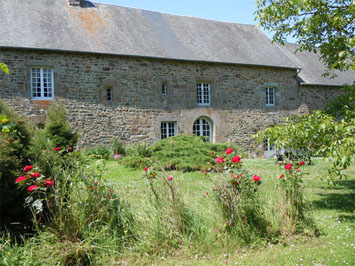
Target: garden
pixel 180 201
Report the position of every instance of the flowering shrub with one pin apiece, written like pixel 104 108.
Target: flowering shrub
pixel 291 183
pixel 237 192
pixel 37 185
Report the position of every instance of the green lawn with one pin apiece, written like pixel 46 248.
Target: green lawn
pixel 333 211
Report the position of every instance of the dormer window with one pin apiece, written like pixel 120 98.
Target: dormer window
pixel 203 93
pixel 109 94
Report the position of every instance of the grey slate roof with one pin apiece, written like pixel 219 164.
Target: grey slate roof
pixel 108 29
pixel 101 28
pixel 312 68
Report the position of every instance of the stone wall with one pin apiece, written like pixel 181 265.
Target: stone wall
pixel 237 109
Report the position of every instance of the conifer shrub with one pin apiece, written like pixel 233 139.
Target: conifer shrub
pixel 58 129
pixel 185 153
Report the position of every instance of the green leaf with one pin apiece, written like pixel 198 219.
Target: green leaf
pixel 4 68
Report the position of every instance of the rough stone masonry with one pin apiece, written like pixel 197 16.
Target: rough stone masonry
pixel 236 112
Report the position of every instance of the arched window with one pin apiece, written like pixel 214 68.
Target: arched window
pixel 202 127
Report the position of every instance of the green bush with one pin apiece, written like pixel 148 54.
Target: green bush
pixel 98 152
pixel 185 153
pixel 117 147
pixel 58 130
pixel 15 141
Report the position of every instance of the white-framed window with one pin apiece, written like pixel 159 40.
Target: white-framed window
pixel 270 96
pixel 164 89
pixel 203 93
pixel 267 146
pixel 109 94
pixel 202 127
pixel 42 86
pixel 167 129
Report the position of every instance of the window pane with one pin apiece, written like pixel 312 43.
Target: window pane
pixel 163 130
pixel 196 128
pixel 41 82
pixel 36 82
pixel 109 94
pixel 199 93
pixel 164 89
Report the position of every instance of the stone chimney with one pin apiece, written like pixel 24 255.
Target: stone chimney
pixel 75 2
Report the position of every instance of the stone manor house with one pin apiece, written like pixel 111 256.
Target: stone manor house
pixel 143 76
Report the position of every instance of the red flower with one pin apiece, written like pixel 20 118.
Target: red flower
pixel 206 192
pixel 220 160
pixel 21 178
pixel 232 176
pixel 282 176
pixel 28 168
pixel 146 169
pixel 239 176
pixel 70 149
pixel 36 175
pixel 170 178
pixel 31 188
pixel 288 166
pixel 280 163
pixel 48 183
pixel 236 159
pixel 229 151
pixel 302 163
pixel 256 178
pixel 58 149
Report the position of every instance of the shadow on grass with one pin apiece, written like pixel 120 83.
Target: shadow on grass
pixel 344 202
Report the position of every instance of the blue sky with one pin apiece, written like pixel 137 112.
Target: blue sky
pixel 238 11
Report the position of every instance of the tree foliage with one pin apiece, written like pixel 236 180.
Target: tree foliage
pixel 318 134
pixel 326 24
pixel 4 68
pixel 327 27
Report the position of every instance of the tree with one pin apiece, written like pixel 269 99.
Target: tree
pixel 328 25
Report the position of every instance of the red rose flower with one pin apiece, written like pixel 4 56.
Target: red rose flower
pixel 146 169
pixel 302 163
pixel 28 168
pixel 48 183
pixel 70 149
pixel 288 166
pixel 170 178
pixel 282 176
pixel 220 160
pixel 236 159
pixel 36 175
pixel 58 149
pixel 229 151
pixel 31 188
pixel 256 178
pixel 21 178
